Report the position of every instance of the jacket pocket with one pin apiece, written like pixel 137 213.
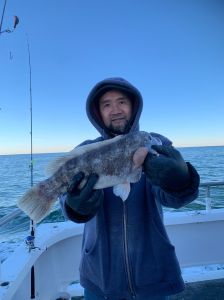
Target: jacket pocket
pixel 90 237
pixel 101 264
pixel 158 262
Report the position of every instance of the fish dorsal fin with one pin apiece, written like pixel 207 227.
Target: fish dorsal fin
pixel 78 151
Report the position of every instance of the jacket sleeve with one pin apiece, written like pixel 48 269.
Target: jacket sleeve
pixel 69 213
pixel 180 198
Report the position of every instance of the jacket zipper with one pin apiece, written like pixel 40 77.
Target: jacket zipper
pixel 126 252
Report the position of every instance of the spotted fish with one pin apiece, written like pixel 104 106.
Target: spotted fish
pixel 117 161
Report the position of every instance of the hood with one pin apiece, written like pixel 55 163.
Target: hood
pixel 92 108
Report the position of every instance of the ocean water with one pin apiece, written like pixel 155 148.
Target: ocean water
pixel 15 180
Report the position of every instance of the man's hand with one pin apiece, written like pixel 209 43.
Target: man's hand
pixel 85 201
pixel 167 169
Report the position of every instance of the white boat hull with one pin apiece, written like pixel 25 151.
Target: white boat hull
pixel 197 236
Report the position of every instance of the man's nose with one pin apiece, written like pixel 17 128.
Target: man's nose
pixel 116 109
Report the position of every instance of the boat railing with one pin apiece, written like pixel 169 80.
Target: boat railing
pixel 208 196
pixel 206 185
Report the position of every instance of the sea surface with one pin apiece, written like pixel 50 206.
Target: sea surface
pixel 15 180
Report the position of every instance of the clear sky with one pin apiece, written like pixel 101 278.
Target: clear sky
pixel 172 51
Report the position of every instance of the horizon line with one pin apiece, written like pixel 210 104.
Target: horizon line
pixel 64 151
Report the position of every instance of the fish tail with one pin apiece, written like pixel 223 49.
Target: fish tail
pixel 37 202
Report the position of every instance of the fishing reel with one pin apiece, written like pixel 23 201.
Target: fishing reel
pixel 30 243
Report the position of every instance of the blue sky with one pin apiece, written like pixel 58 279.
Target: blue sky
pixel 172 51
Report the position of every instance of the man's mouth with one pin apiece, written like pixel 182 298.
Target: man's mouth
pixel 118 120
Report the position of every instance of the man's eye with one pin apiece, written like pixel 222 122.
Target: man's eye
pixel 123 102
pixel 106 105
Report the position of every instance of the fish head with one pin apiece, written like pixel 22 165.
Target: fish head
pixel 147 141
pixel 145 147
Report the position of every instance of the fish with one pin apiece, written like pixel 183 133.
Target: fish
pixel 117 161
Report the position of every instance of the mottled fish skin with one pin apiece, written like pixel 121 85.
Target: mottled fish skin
pixel 117 166
pixel 112 160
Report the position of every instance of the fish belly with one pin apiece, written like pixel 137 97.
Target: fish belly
pixel 105 181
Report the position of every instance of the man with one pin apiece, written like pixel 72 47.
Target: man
pixel 126 253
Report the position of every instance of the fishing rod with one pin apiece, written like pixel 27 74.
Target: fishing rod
pixel 32 224
pixel 31 114
pixel 16 21
pixel 30 239
pixel 17 212
pixel 3 13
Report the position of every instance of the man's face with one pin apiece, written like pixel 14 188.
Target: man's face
pixel 115 109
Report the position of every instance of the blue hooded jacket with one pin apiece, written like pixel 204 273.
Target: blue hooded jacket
pixel 126 251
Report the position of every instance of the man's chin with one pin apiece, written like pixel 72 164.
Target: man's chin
pixel 118 130
pixel 121 129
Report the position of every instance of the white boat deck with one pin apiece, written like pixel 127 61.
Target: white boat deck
pixel 207 290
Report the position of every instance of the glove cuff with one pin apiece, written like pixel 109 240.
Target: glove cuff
pixel 191 187
pixel 76 217
pixel 84 212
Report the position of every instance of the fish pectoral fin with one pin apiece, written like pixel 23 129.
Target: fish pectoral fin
pixel 122 190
